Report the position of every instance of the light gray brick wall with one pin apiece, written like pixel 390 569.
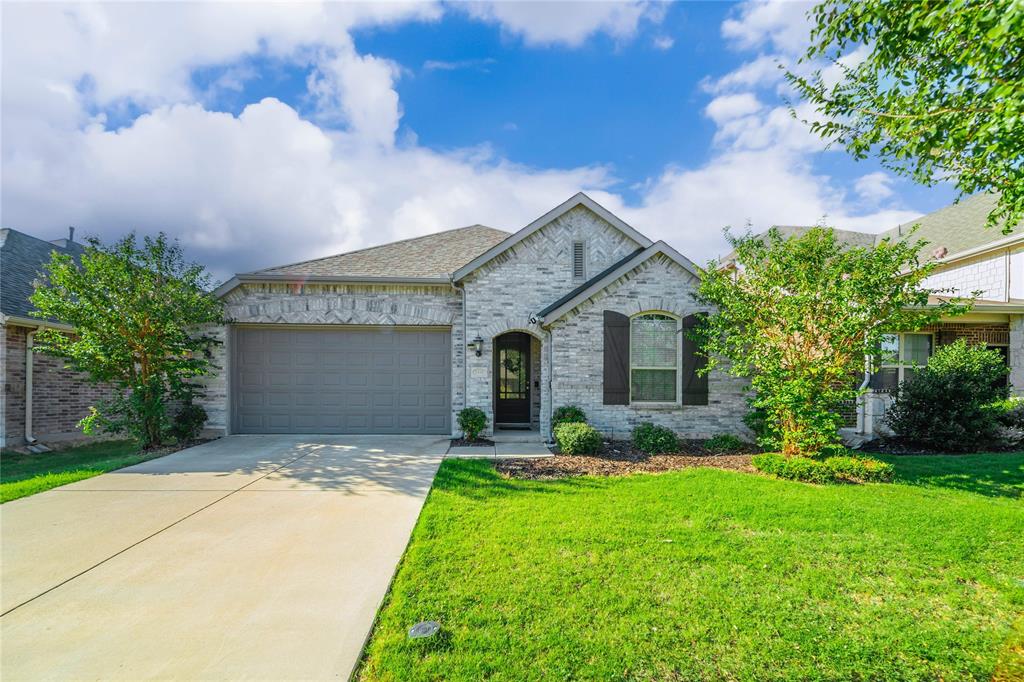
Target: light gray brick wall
pixel 1017 354
pixel 986 274
pixel 345 304
pixel 502 295
pixel 657 285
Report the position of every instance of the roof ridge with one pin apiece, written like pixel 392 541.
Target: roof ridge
pixel 371 248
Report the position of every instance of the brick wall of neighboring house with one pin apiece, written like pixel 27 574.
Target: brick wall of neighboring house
pixel 60 397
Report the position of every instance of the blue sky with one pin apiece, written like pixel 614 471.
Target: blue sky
pixel 260 134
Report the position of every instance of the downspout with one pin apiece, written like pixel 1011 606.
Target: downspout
pixel 862 409
pixel 29 340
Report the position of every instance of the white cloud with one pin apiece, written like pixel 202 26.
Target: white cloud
pixel 663 43
pixel 874 187
pixel 780 24
pixel 358 90
pixel 729 107
pixel 268 187
pixel 565 22
pixel 762 72
pixel 458 65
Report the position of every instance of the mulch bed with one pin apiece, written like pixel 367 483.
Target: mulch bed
pixel 618 458
pixel 478 443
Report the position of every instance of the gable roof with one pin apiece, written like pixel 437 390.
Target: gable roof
pixel 957 228
pixel 431 256
pixel 612 273
pixel 22 258
pixel 579 199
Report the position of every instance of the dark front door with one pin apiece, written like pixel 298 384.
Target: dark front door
pixel 512 378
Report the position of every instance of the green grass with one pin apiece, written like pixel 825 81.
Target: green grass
pixel 23 475
pixel 706 574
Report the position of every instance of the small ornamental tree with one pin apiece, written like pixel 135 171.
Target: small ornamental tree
pixel 137 312
pixel 798 316
pixel 933 90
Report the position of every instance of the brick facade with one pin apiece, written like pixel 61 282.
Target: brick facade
pixel 60 397
pixel 657 285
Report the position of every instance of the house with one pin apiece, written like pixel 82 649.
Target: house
pixel 575 308
pixel 41 400
pixel 972 260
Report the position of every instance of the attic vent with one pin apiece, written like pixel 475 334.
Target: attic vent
pixel 579 263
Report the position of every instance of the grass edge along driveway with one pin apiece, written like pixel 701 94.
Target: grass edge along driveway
pixel 22 475
pixel 708 574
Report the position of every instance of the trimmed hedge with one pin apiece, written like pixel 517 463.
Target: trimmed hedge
pixel 568 414
pixel 654 439
pixel 577 438
pixel 828 470
pixel 472 420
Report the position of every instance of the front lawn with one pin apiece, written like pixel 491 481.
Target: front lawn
pixel 705 574
pixel 23 475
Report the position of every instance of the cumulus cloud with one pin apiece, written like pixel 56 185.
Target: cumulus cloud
pixel 565 22
pixel 783 26
pixel 874 187
pixel 268 186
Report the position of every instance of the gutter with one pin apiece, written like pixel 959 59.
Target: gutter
pixel 29 341
pixel 19 321
pixel 465 348
pixel 254 278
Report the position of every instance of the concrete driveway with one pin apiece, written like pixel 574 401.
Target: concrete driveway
pixel 250 557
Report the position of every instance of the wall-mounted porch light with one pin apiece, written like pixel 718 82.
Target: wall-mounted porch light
pixel 477 346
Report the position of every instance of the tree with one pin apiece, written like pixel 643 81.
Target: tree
pixel 137 313
pixel 934 89
pixel 798 316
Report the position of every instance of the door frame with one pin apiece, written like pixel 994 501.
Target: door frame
pixel 525 342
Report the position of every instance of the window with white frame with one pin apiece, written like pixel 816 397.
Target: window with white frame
pixel 654 358
pixel 902 355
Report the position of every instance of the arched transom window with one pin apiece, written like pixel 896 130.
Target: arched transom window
pixel 654 358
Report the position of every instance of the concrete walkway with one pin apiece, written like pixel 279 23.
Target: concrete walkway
pixel 251 557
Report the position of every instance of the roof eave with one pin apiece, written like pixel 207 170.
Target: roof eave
pixel 578 199
pixel 21 321
pixel 257 278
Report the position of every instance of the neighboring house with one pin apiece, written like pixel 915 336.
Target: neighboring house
pixel 575 308
pixel 41 400
pixel 972 259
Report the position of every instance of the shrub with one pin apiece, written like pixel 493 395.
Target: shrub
pixel 577 438
pixel 1011 413
pixel 864 469
pixel 654 439
pixel 766 434
pixel 951 404
pixel 188 422
pixel 568 414
pixel 472 421
pixel 794 468
pixel 724 443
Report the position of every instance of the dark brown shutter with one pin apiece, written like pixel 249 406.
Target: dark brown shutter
pixel 695 385
pixel 616 358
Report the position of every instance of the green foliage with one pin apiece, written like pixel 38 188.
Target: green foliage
pixel 866 469
pixel 952 403
pixel 1011 413
pixel 724 443
pixel 139 312
pixel 188 422
pixel 472 421
pixel 654 439
pixel 798 316
pixel 824 470
pixel 797 468
pixel 766 432
pixel 937 93
pixel 577 438
pixel 568 413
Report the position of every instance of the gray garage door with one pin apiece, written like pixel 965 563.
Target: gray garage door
pixel 339 380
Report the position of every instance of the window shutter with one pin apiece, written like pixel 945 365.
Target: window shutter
pixel 695 386
pixel 616 358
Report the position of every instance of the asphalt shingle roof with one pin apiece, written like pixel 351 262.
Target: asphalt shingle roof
pixel 433 255
pixel 959 227
pixel 22 257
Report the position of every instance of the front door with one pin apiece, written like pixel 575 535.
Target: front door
pixel 512 379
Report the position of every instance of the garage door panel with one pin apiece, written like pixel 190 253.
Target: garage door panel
pixel 368 380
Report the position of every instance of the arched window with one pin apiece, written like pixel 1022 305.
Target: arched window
pixel 654 358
